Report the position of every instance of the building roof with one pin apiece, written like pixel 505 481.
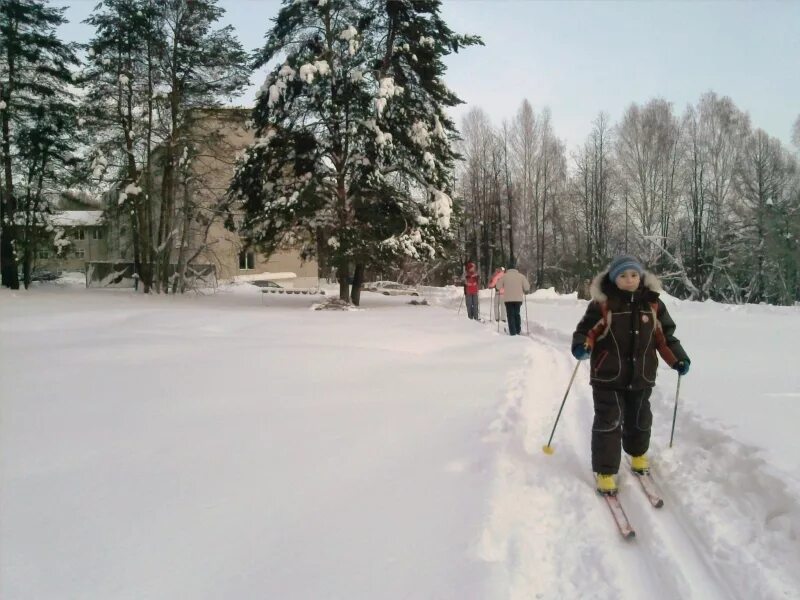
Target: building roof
pixel 83 198
pixel 77 218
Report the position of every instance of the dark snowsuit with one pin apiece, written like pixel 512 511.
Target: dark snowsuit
pixel 624 331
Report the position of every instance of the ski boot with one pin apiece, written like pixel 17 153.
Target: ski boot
pixel 640 464
pixel 606 484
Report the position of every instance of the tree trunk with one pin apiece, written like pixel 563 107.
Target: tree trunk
pixel 146 233
pixel 31 230
pixel 180 279
pixel 343 275
pixel 358 279
pixel 165 221
pixel 135 229
pixel 8 258
pixel 27 259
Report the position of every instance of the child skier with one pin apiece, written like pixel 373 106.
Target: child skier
pixel 624 325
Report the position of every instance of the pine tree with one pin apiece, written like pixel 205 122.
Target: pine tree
pixel 46 148
pixel 200 66
pixel 122 79
pixel 353 157
pixel 152 64
pixel 764 181
pixel 35 69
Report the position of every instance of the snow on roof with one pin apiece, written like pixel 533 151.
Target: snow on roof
pixel 77 218
pixel 266 276
pixel 85 197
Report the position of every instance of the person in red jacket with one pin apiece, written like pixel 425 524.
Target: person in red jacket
pixel 471 287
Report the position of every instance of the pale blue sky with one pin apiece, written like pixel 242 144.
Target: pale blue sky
pixel 581 57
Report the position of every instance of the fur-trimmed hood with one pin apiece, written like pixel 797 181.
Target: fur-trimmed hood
pixel 602 285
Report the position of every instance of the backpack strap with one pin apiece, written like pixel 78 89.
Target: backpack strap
pixel 661 340
pixel 602 327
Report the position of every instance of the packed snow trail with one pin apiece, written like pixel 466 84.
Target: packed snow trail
pixel 386 453
pixel 554 537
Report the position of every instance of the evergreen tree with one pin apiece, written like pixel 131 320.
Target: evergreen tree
pixel 353 158
pixel 765 184
pixel 46 151
pixel 152 64
pixel 34 74
pixel 200 66
pixel 122 80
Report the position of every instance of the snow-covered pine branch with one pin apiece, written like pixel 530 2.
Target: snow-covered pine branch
pixel 352 180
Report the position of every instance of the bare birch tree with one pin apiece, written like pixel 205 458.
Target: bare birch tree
pixel 594 186
pixel 647 151
pixel 524 151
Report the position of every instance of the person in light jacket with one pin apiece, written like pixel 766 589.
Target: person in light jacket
pixel 513 285
pixel 499 305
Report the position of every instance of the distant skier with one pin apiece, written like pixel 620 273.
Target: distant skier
pixel 471 287
pixel 499 305
pixel 513 285
pixel 625 323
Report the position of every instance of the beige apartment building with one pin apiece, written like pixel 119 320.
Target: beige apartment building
pixel 104 236
pixel 228 134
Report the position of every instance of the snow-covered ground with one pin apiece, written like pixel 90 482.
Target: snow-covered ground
pixel 214 446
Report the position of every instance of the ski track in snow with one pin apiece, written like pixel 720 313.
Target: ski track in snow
pixel 551 536
pixel 729 528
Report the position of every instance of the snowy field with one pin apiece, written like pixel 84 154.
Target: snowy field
pixel 211 446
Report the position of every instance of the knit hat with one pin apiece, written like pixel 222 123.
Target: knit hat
pixel 621 264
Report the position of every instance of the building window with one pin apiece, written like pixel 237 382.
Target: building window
pixel 43 253
pixel 80 234
pixel 97 233
pixel 80 253
pixel 247 261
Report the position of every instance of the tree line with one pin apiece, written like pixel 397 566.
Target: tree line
pixel 117 122
pixel 703 197
pixel 353 157
pixel 357 163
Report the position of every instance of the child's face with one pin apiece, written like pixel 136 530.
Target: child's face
pixel 628 280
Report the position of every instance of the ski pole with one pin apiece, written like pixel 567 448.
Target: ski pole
pixel 460 304
pixel 527 327
pixel 496 308
pixel 548 449
pixel 675 411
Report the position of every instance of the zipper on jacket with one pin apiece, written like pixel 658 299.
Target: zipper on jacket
pixel 634 339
